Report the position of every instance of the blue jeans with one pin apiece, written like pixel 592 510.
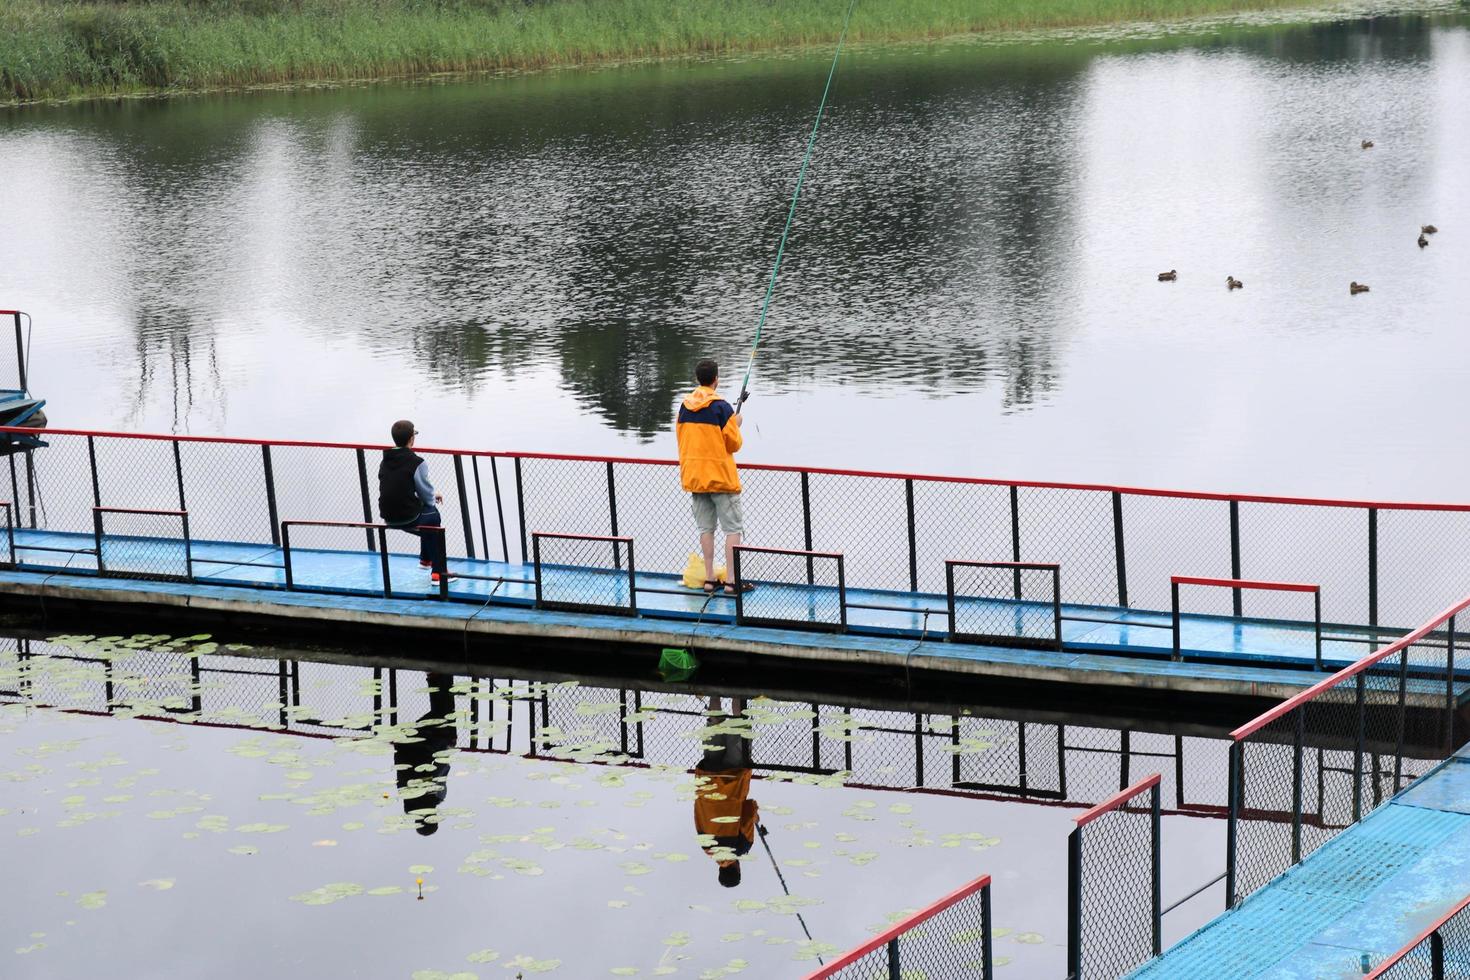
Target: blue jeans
pixel 431 543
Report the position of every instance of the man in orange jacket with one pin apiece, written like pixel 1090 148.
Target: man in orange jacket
pixel 725 817
pixel 708 430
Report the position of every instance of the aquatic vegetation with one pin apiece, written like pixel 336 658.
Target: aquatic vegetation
pixel 59 50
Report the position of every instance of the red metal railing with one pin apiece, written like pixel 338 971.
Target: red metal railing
pixel 1236 585
pixel 893 954
pixel 1114 901
pixel 1400 964
pixel 1396 704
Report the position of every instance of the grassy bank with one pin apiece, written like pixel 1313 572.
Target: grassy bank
pixel 56 49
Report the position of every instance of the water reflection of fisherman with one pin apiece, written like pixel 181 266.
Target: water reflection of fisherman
pixel 423 764
pixel 722 808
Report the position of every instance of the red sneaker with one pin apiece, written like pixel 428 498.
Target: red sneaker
pixel 449 576
pixel 425 564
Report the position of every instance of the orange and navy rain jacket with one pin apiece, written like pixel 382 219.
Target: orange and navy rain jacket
pixel 708 440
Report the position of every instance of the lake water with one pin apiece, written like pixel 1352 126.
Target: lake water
pixel 177 809
pixel 534 262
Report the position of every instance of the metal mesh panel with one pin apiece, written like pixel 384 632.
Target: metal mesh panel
pixel 654 511
pixel 225 492
pixel 584 572
pixel 60 484
pixel 866 518
pixel 1073 528
pixel 1421 563
pixel 316 561
pixel 584 724
pixel 791 589
pixel 1115 908
pixel 1445 953
pixel 319 484
pixel 771 500
pixel 1167 536
pixel 951 940
pixel 1004 603
pixel 565 496
pixel 1326 546
pixel 959 521
pixel 137 473
pixel 145 545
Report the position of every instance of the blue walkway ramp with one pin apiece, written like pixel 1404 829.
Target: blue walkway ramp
pixel 1370 890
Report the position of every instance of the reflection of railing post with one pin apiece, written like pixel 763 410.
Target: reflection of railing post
pixel 987 961
pixel 893 970
pixel 1372 566
pixel 1436 955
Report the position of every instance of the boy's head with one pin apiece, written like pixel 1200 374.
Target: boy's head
pixel 730 873
pixel 707 372
pixel 403 433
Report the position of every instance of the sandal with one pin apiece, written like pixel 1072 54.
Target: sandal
pixel 710 585
pixel 744 587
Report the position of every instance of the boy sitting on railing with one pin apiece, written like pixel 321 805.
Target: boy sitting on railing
pixel 708 430
pixel 406 498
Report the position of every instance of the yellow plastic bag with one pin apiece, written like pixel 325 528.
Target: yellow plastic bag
pixel 694 572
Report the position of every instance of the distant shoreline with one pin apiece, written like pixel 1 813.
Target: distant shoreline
pixel 81 50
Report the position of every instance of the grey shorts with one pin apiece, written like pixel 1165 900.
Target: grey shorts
pixel 718 508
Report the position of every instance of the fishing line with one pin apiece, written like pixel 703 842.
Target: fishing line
pixel 791 212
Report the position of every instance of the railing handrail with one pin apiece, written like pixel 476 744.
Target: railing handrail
pixel 581 537
pixel 1429 930
pixel 781 468
pixel 372 526
pixel 1117 800
pixel 763 550
pixel 1352 670
pixel 900 927
pixel 1244 583
pixel 1041 566
pixel 140 510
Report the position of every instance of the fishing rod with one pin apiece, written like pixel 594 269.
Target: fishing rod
pixel 791 212
pixel 761 831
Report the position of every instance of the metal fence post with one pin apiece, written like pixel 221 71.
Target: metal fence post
pixel 536 563
pixel 1174 590
pixel 893 970
pixel 986 960
pixel 1235 552
pixel 20 354
pixel 1298 736
pixel 464 511
pixel 1358 750
pixel 841 590
pixel 1436 955
pixel 1056 603
pixel 1118 554
pixel 285 540
pixel 179 476
pixel 270 493
pixel 1449 688
pixel 1317 615
pixel 1234 792
pixel 499 511
pixel 480 506
pixel 97 539
pixel 1016 535
pixel 521 507
pixel 1074 904
pixel 806 524
pixel 188 555
pixel 632 581
pixel 92 461
pixel 367 507
pixel 1158 889
pixel 383 560
pixel 908 486
pixel 1372 566
pixel 949 594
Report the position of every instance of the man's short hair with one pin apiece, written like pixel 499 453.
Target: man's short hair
pixel 730 874
pixel 706 371
pixel 402 432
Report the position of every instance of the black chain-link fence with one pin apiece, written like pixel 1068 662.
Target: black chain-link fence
pixel 1388 565
pixel 1114 905
pixel 1441 952
pixel 1319 762
pixel 584 571
pixel 1009 602
pixel 1204 635
pixel 950 938
pixel 152 544
pixel 791 588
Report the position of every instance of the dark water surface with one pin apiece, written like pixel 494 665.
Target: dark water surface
pixel 179 810
pixel 534 262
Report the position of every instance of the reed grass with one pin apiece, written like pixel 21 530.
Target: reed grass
pixel 61 48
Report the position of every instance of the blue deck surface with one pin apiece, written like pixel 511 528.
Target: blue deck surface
pixel 1092 635
pixel 1371 889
